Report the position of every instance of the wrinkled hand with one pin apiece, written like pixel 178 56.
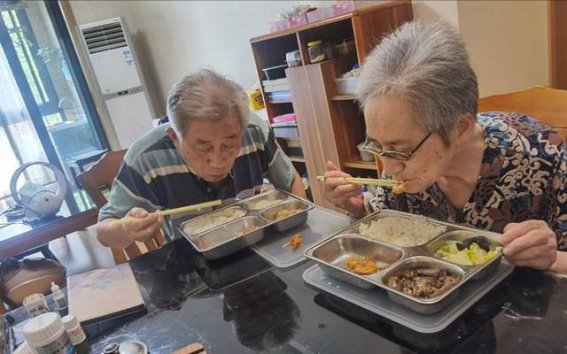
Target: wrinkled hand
pixel 341 193
pixel 139 225
pixel 530 243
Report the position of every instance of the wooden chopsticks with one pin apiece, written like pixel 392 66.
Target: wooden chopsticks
pixel 369 181
pixel 188 208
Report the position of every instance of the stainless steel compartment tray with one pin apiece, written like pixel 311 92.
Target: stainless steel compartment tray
pixel 227 238
pixel 378 302
pixel 466 273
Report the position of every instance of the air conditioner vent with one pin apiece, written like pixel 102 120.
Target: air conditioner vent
pixel 104 37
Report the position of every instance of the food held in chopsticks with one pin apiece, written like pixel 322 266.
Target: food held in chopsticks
pixel 294 242
pixel 399 189
pixel 361 265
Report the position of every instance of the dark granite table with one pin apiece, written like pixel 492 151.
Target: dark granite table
pixel 241 305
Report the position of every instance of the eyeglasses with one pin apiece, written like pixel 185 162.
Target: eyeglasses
pixel 396 155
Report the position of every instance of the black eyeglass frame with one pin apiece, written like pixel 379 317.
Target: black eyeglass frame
pixel 395 155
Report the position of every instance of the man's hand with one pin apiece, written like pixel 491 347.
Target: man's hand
pixel 530 243
pixel 341 193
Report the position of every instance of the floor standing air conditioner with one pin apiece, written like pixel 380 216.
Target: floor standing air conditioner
pixel 119 78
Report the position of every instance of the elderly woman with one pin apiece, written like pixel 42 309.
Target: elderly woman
pixel 496 171
pixel 213 149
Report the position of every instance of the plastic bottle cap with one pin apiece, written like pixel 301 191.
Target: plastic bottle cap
pixel 43 329
pixel 55 287
pixel 111 348
pixel 70 322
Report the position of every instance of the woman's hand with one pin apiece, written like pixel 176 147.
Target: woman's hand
pixel 139 225
pixel 341 193
pixel 530 243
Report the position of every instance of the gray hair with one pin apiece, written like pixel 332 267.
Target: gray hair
pixel 205 95
pixel 428 64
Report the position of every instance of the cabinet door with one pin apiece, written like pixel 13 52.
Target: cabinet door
pixel 310 104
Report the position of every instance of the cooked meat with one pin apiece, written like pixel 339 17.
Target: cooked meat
pixel 423 282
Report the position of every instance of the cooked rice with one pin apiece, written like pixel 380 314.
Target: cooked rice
pixel 208 221
pixel 400 231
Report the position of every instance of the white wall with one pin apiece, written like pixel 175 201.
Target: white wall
pixel 507 39
pixel 508 43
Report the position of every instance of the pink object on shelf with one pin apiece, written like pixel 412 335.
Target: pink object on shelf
pixel 289 117
pixel 320 14
pixel 278 26
pixel 343 7
pixel 297 20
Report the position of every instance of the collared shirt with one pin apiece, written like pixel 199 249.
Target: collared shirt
pixel 523 176
pixel 154 176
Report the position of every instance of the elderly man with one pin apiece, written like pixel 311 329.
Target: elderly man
pixel 214 148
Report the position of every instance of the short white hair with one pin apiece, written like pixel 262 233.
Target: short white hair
pixel 426 63
pixel 205 95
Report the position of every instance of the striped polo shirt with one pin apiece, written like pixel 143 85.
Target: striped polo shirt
pixel 154 176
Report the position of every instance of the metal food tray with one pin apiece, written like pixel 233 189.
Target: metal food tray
pixel 321 224
pixel 332 252
pixel 377 301
pixel 228 237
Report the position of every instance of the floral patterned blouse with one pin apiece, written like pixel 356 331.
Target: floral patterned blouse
pixel 523 176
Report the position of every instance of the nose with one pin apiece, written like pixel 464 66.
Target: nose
pixel 217 159
pixel 391 167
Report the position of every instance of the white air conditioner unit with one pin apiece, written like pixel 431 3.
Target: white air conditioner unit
pixel 119 78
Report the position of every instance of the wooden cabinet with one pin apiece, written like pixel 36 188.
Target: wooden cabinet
pixel 330 125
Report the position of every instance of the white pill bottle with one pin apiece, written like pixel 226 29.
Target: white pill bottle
pixel 45 334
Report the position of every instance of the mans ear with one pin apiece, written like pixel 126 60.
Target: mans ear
pixel 465 125
pixel 173 136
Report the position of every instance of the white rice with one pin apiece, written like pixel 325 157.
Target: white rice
pixel 400 231
pixel 208 221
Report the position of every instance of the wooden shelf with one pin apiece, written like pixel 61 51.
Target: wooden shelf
pixel 297 159
pixel 329 123
pixel 365 165
pixel 343 98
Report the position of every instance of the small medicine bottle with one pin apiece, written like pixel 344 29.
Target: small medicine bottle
pixel 76 334
pixel 58 297
pixel 35 304
pixel 45 334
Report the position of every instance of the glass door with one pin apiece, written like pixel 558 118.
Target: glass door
pixel 46 112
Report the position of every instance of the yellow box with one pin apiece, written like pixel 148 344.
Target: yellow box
pixel 255 100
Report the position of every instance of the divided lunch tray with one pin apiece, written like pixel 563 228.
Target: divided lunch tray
pixel 377 301
pixel 321 224
pixel 224 231
pixel 404 255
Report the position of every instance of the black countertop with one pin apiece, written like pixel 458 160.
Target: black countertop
pixel 241 305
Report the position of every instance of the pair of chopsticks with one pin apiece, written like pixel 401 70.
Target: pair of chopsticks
pixel 369 181
pixel 188 208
